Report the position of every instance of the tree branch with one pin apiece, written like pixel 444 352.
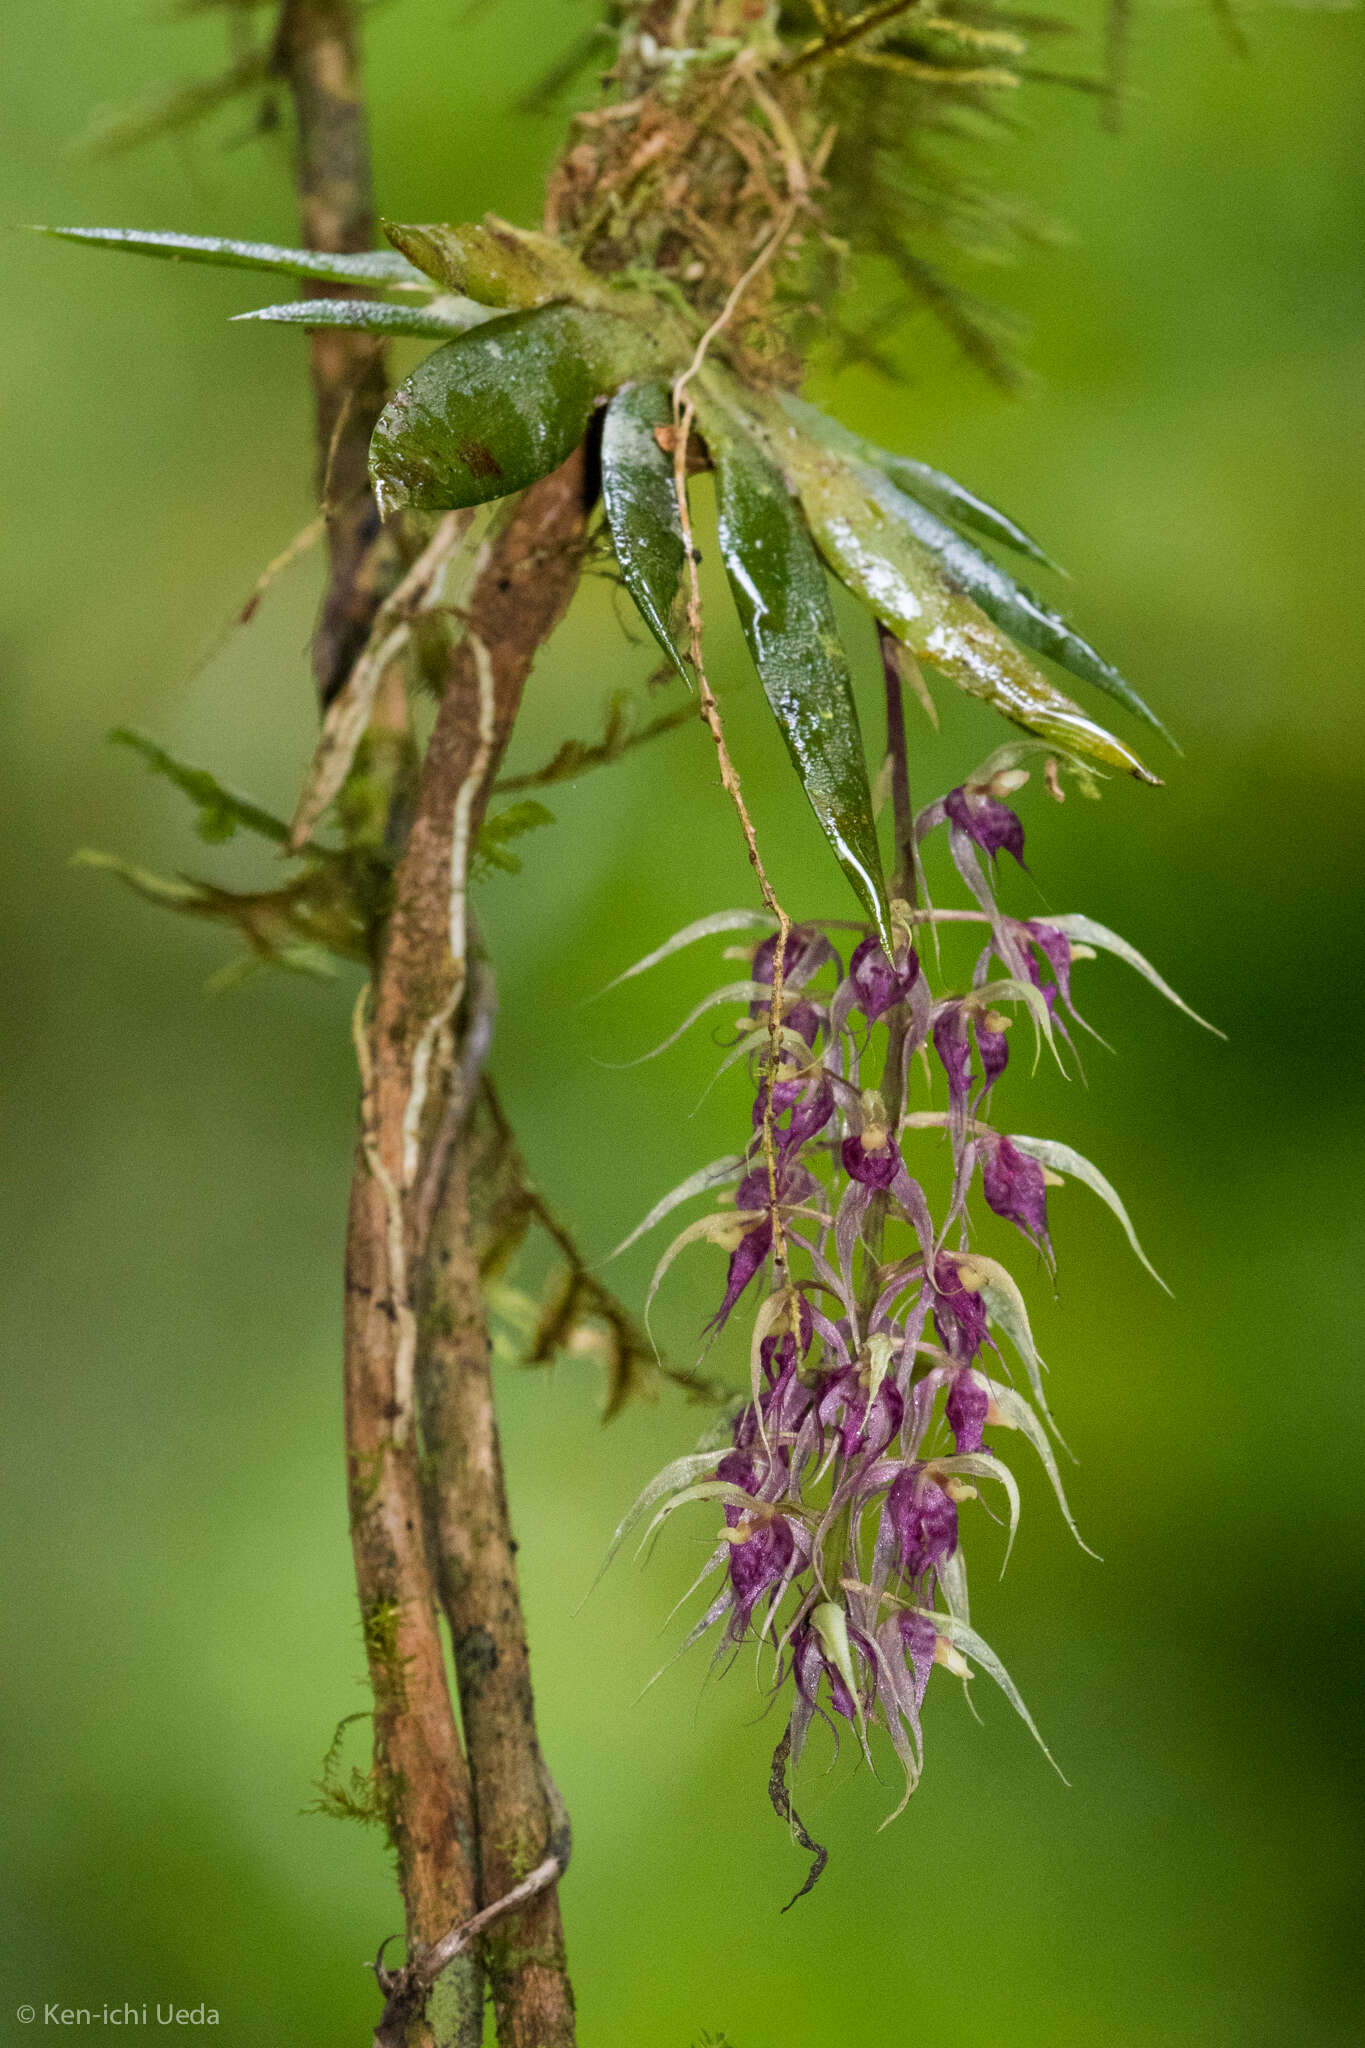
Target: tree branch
pixel 317 53
pixel 413 1041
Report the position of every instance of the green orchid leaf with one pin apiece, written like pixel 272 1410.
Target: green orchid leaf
pixel 941 493
pixel 380 267
pixel 784 607
pixel 438 318
pixel 509 268
pixel 1022 615
pixel 221 810
pixel 642 507
pixel 858 520
pixel 498 408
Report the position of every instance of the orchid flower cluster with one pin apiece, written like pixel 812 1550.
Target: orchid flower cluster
pixel 878 1357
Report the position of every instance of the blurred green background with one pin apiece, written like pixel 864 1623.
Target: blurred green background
pixel 181 1640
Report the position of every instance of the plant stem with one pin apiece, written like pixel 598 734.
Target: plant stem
pixel 524 1955
pixel 317 52
pixel 413 1047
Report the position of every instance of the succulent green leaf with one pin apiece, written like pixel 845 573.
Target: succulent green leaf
pixel 498 408
pixel 499 265
pixel 941 493
pixel 642 507
pixel 1022 615
pixel 382 267
pixel 437 318
pixel 858 520
pixel 784 607
pixel 221 810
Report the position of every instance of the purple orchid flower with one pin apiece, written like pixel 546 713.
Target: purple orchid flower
pixel 988 823
pixel 968 1410
pixel 878 984
pixel 923 1519
pixel 1014 1186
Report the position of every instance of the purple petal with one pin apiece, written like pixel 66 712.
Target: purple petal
pixel 877 983
pixel 924 1519
pixel 959 1314
pixel 872 1169
pixel 967 1408
pixel 1014 1186
pixel 954 1050
pixel 745 1260
pixel 990 825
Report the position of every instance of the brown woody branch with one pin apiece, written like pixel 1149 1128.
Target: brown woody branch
pixel 317 53
pixel 417 1026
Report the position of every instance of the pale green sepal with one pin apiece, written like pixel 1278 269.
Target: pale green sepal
pixel 716 1175
pixel 972 1645
pixel 437 320
pixel 1004 1304
pixel 382 267
pixel 1061 1159
pixel 1015 1413
pixel 732 992
pixel 977 1466
pixel 682 1472
pixel 831 1625
pixel 1091 934
pixel 703 928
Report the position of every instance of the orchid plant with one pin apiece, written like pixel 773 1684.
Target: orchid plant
pixel 655 327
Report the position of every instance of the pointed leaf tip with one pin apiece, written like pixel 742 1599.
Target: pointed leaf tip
pixel 784 606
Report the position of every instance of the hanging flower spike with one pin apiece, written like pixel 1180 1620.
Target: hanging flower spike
pixel 844 1542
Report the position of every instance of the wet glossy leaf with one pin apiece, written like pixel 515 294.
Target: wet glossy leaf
pixel 941 493
pixel 1022 615
pixel 858 521
pixel 499 407
pixel 784 606
pixel 382 267
pixel 438 318
pixel 510 268
pixel 642 506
